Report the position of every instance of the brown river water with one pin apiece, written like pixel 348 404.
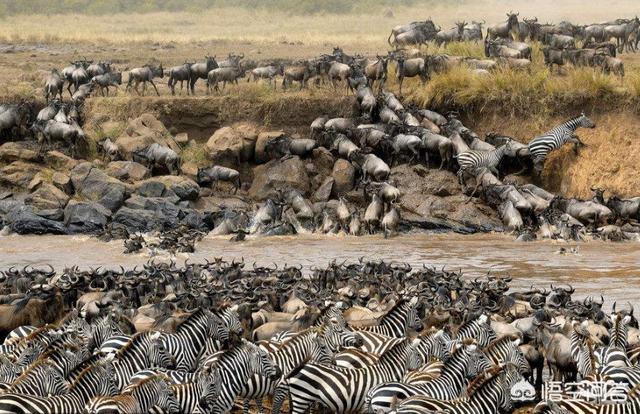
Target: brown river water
pixel 610 269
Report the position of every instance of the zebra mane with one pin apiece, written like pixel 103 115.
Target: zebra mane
pixel 392 350
pixel 395 308
pixel 44 363
pixel 38 332
pixel 634 392
pixel 190 319
pixel 484 378
pixel 135 340
pixel 145 381
pixel 87 363
pixel 497 342
pixel 86 371
pixel 299 336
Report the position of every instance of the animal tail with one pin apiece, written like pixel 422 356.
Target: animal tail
pixel 389 38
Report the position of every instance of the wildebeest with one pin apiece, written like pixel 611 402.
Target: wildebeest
pixel 179 73
pixel 67 72
pixel 339 71
pixel 201 70
pixel 453 35
pixel 528 29
pixel 621 33
pixel 106 80
pixel 410 68
pixel 156 155
pixel 299 73
pixel 504 30
pixel 53 85
pixel 223 75
pixel 372 166
pixel 624 208
pixel 49 111
pixel 496 48
pixel 377 71
pixel 218 173
pixel 473 32
pixel 366 100
pixel 438 144
pixel 552 57
pixel 82 93
pixel 594 33
pixel 267 72
pixel 54 131
pixel 110 150
pixel 232 61
pixel 99 68
pixel 559 41
pixel 609 64
pixel 145 74
pixel 14 119
pixel 426 26
pixel 80 76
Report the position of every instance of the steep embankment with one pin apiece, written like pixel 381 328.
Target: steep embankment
pixel 609 161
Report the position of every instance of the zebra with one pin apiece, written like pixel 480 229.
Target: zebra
pixel 506 350
pixel 143 351
pixel 582 351
pixel 198 394
pixel 477 329
pixel 139 398
pixel 427 372
pixel 306 346
pixel 434 345
pixel 478 162
pixel 466 362
pixel 394 324
pixel 615 353
pixel 40 379
pixel 489 393
pixel 236 367
pixel 541 146
pixel 344 390
pixel 19 333
pixel 188 342
pixel 95 380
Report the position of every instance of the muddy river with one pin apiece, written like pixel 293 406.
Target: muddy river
pixel 611 269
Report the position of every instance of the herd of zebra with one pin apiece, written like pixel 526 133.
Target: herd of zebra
pixel 368 336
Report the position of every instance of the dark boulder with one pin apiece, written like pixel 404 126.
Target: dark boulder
pixel 88 218
pixel 23 220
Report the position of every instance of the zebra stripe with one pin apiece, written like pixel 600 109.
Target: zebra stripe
pixel 236 367
pixel 476 161
pixel 478 329
pixel 488 394
pixel 140 398
pixel 344 390
pixel 41 379
pixel 582 407
pixel 465 363
pixel 541 146
pixel 94 381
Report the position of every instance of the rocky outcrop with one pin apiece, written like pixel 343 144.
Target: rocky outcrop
pixel 142 132
pixel 82 217
pixel 19 173
pixel 432 199
pixel 129 171
pixel 169 185
pixel 231 144
pixel 93 184
pixel 47 196
pixel 344 175
pixel 279 175
pixel 14 151
pixel 24 220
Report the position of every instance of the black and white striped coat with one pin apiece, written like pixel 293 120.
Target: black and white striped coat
pixel 93 381
pixel 475 162
pixel 463 365
pixel 344 390
pixel 541 146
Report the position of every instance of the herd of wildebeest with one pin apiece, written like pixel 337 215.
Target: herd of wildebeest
pixel 381 133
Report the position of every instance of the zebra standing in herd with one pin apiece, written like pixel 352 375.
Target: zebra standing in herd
pixel 344 390
pixel 541 146
pixel 480 162
pixel 489 393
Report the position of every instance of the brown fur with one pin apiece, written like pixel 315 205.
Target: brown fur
pixel 36 312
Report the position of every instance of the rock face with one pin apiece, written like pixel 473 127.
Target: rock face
pixel 142 132
pixel 432 199
pixel 47 196
pixel 19 173
pixel 59 161
pixel 344 175
pixel 14 151
pixel 81 217
pixel 127 171
pixel 229 144
pixel 23 220
pixel 136 220
pixel 94 184
pixel 279 175
pixel 183 187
